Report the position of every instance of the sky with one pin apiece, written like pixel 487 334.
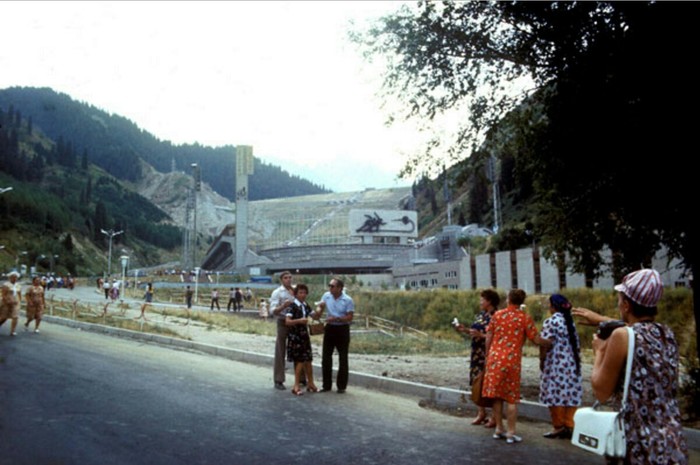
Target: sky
pixel 280 76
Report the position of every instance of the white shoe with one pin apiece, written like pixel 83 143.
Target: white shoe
pixel 14 333
pixel 36 331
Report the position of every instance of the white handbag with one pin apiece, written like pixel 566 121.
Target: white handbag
pixel 603 432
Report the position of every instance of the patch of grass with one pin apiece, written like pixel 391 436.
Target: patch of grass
pixel 377 343
pixel 84 314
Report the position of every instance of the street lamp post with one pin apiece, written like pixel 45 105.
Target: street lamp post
pixel 197 175
pixel 125 261
pixel 111 235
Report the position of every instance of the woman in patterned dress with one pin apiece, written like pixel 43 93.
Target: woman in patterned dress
pixel 505 337
pixel 34 295
pixel 488 302
pixel 652 419
pixel 560 381
pixel 298 340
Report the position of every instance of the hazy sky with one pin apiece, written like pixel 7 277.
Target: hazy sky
pixel 280 76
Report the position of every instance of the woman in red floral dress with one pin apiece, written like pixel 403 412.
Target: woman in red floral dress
pixel 505 337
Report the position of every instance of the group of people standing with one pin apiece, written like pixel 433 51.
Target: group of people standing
pixel 289 307
pixel 651 414
pixel 11 298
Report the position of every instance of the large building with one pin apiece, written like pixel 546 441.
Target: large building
pixel 374 233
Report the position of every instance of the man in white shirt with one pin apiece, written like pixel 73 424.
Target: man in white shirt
pixel 281 298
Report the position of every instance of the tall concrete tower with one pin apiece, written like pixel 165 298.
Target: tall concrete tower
pixel 244 168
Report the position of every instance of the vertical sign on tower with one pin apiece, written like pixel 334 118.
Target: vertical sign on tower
pixel 244 168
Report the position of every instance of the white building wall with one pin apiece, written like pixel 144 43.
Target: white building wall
pixel 526 270
pixel 549 276
pixel 458 274
pixel 503 270
pixel 483 271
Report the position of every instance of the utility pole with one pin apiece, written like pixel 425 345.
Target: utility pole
pixel 197 175
pixel 448 200
pixel 244 168
pixel 111 233
pixel 496 194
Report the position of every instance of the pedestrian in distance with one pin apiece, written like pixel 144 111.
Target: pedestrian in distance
pixel 340 310
pixel 189 296
pixel 215 300
pixel 34 296
pixel 106 286
pixel 147 300
pixel 10 298
pixel 238 296
pixel 231 300
pixel 264 310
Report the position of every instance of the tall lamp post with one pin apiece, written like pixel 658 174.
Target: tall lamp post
pixel 197 175
pixel 125 261
pixel 111 235
pixel 53 259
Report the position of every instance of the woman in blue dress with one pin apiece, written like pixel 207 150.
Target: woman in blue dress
pixel 561 386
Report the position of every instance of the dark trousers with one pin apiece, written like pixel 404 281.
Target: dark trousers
pixel 280 351
pixel 335 337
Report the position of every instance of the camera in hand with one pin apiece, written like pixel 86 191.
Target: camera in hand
pixel 606 328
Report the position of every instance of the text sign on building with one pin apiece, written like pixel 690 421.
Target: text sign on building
pixel 387 223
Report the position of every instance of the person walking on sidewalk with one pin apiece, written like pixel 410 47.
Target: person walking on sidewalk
pixel 11 297
pixel 35 303
pixel 215 300
pixel 189 295
pixel 231 300
pixel 238 297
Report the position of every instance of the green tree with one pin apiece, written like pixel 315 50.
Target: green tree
pixel 100 220
pixel 607 157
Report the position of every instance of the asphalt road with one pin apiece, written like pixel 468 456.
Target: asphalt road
pixel 74 397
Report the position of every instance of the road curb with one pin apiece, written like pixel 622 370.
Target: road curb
pixel 439 395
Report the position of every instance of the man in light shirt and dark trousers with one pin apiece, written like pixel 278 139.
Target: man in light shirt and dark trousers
pixel 281 298
pixel 339 309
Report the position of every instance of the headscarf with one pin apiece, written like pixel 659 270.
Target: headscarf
pixel 562 305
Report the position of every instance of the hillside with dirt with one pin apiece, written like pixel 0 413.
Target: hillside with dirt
pixel 292 220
